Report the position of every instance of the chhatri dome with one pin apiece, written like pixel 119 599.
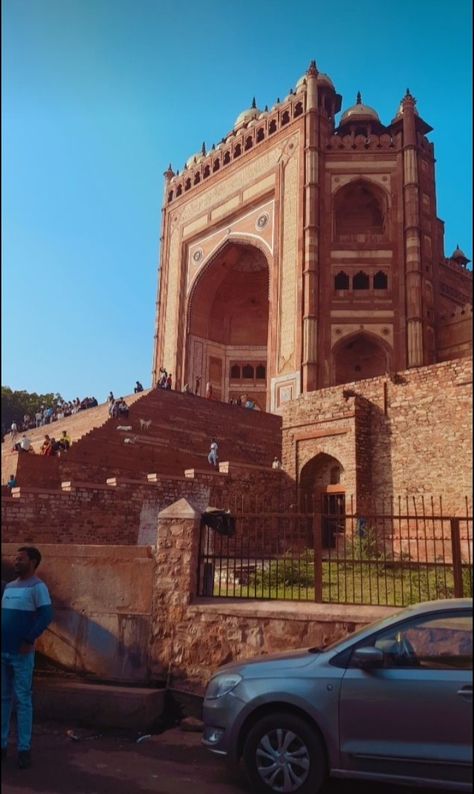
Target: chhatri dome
pixel 322 79
pixel 247 115
pixel 359 112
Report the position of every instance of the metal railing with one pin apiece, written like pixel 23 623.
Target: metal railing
pixel 412 551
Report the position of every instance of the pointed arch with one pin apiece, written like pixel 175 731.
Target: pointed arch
pixel 358 356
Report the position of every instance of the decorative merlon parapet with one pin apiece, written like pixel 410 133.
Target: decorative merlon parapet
pixel 453 265
pixel 235 145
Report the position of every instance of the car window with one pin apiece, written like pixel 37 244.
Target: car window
pixel 438 642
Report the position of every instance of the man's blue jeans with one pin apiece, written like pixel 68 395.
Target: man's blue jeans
pixel 17 680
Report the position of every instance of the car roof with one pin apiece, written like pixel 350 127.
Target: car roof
pixel 444 603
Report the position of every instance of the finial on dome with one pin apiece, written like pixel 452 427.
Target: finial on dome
pixel 203 149
pixel 313 69
pixel 359 99
pixel 254 104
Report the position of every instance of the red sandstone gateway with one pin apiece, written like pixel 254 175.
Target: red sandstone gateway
pixel 391 703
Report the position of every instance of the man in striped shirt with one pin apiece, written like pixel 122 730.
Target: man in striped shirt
pixel 26 612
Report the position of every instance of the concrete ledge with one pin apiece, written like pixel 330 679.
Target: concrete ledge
pixel 73 485
pixel 98 705
pixel 292 610
pixel 228 466
pixel 193 473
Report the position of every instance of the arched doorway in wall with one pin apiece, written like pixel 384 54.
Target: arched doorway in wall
pixel 321 489
pixel 360 356
pixel 227 325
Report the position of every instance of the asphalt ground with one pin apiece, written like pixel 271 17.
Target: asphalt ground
pixel 173 762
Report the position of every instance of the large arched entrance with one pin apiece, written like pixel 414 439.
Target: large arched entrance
pixel 358 357
pixel 228 325
pixel 321 490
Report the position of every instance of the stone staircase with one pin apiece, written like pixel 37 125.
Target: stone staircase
pixel 177 439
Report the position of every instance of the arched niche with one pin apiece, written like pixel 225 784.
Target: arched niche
pixel 360 213
pixel 227 321
pixel 359 356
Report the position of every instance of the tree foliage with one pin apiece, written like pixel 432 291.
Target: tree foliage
pixel 15 404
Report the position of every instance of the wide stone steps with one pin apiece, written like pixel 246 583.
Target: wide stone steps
pixel 178 438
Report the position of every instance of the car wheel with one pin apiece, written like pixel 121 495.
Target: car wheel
pixel 282 753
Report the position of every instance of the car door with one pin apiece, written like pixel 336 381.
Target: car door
pixel 412 717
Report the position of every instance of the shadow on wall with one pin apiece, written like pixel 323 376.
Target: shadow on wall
pixel 97 645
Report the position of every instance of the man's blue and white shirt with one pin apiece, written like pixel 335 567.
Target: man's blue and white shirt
pixel 26 612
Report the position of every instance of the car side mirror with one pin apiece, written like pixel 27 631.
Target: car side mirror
pixel 368 658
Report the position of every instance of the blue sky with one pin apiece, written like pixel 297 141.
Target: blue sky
pixel 100 95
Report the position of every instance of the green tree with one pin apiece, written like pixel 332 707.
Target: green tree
pixel 15 404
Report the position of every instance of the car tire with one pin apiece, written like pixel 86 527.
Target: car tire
pixel 283 753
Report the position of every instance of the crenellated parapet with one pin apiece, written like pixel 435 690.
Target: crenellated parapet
pixel 236 144
pixel 372 142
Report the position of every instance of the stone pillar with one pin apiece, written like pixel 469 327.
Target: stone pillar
pixel 175 584
pixel 413 268
pixel 168 175
pixel 311 215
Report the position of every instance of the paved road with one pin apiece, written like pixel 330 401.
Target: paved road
pixel 170 763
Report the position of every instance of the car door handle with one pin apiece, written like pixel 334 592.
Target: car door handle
pixel 465 691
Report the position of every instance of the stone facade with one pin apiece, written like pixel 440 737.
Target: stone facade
pixel 302 252
pixel 387 437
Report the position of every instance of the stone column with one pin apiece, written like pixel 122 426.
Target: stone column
pixel 175 584
pixel 412 235
pixel 168 175
pixel 311 214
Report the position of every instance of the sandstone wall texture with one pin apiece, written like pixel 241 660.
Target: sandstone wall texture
pixel 102 599
pixel 404 434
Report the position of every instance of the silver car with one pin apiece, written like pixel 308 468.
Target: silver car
pixel 390 703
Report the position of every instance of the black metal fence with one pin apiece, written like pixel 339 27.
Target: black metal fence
pixel 410 552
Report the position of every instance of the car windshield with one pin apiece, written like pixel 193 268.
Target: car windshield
pixel 379 624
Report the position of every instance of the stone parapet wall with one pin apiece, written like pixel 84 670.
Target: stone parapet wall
pixel 102 601
pixel 125 511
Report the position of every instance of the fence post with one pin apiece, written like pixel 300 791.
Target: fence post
pixel 318 558
pixel 457 558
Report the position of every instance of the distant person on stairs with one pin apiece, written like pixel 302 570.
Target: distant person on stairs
pixel 213 456
pixel 138 387
pixel 65 441
pixel 209 390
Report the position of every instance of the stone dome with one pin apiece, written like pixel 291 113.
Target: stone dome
pixel 247 115
pixel 194 157
pixel 322 79
pixel 359 112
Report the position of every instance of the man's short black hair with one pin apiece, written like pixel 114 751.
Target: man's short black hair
pixel 33 553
